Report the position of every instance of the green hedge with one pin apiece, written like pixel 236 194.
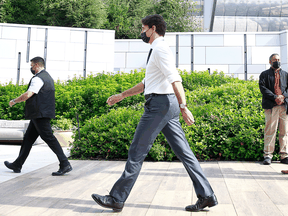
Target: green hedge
pixel 229 124
pixel 85 97
pixel 7 93
pixel 229 118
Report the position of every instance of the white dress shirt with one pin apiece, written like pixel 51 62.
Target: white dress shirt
pixel 36 84
pixel 161 71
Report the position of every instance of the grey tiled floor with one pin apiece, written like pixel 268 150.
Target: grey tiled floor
pixel 162 188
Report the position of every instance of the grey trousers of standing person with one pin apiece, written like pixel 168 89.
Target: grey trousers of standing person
pixel 161 114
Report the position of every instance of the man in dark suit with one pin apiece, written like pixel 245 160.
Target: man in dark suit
pixel 39 108
pixel 273 84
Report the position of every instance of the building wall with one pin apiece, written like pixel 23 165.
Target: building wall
pixel 65 51
pixel 217 51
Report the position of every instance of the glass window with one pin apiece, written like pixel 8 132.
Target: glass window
pixel 242 8
pixel 284 12
pixel 241 24
pixel 230 8
pixel 265 8
pixel 253 8
pixel 274 24
pixel 264 23
pixel 275 8
pixel 229 23
pixel 284 23
pixel 252 24
pixel 219 11
pixel 218 25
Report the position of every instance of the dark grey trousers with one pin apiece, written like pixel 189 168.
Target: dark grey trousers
pixel 161 114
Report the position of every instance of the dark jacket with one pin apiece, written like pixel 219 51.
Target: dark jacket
pixel 266 85
pixel 42 105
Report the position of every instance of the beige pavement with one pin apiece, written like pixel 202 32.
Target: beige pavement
pixel 162 188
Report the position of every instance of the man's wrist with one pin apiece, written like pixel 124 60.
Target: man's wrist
pixel 182 106
pixel 14 101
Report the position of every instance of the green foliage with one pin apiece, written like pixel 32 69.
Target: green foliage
pixel 178 15
pixel 68 13
pixel 229 119
pixel 87 97
pixel 123 16
pixel 195 80
pixel 75 13
pixel 63 124
pixel 7 93
pixel 229 124
pixel 18 11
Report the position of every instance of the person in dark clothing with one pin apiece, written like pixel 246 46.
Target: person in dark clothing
pixel 274 88
pixel 39 108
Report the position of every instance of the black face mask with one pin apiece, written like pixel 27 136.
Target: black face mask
pixel 144 37
pixel 276 65
pixel 32 71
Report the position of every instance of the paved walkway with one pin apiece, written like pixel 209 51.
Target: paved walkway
pixel 162 188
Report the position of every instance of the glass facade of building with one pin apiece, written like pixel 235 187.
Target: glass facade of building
pixel 250 15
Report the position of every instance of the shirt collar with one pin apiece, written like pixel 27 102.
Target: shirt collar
pixel 39 72
pixel 156 41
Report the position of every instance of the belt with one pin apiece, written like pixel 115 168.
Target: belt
pixel 155 95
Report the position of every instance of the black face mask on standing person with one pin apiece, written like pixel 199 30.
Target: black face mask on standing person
pixel 276 64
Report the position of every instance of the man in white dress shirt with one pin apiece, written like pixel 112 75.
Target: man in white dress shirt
pixel 39 108
pixel 165 98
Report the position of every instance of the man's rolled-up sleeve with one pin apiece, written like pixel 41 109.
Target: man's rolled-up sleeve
pixel 165 61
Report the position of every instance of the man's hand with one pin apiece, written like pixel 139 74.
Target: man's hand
pixel 115 99
pixel 280 99
pixel 11 103
pixel 187 116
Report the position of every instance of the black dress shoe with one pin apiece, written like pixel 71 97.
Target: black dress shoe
pixel 267 161
pixel 203 202
pixel 285 160
pixel 12 167
pixel 62 170
pixel 108 202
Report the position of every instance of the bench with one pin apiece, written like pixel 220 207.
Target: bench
pixel 12 131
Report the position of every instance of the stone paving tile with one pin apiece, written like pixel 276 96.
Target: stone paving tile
pixel 162 188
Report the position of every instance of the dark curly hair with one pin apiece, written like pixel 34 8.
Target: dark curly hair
pixel 156 20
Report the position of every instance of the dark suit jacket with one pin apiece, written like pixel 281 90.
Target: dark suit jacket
pixel 266 85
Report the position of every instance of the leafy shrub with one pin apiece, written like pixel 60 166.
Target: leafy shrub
pixel 7 93
pixel 63 124
pixel 229 125
pixel 193 80
pixel 87 97
pixel 229 119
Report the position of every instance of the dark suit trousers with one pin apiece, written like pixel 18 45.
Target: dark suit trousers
pixel 42 127
pixel 161 114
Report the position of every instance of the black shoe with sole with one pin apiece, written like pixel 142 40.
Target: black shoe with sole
pixel 267 161
pixel 285 160
pixel 202 203
pixel 12 167
pixel 62 170
pixel 108 202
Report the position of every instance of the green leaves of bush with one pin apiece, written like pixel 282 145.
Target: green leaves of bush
pixel 229 123
pixel 229 119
